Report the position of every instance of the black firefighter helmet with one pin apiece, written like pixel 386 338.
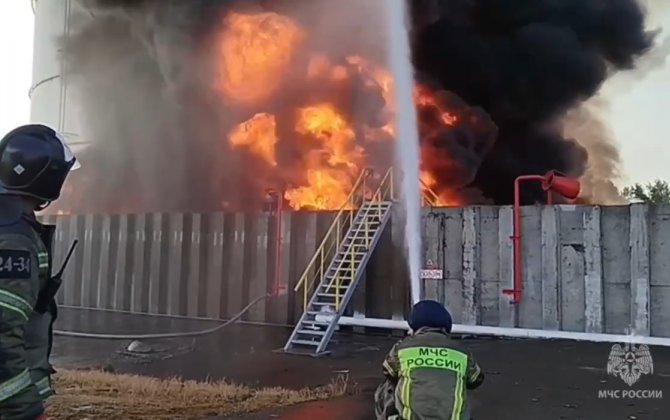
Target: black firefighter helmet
pixel 34 162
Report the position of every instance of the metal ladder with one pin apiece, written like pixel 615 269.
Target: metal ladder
pixel 332 275
pixel 331 297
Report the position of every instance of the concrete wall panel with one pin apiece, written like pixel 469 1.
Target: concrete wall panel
pixel 139 290
pixel 433 250
pixel 593 273
pixel 453 262
pixel 471 266
pixel 508 311
pixel 639 269
pixel 531 245
pixel 572 306
pixel 488 280
pixel 214 278
pixel 235 264
pixel 277 309
pixel 616 268
pixel 659 246
pixel 258 274
pixel 584 268
pixel 551 290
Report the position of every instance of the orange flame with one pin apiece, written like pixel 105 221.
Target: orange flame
pixel 256 51
pixel 324 123
pixel 326 189
pixel 332 165
pixel 259 135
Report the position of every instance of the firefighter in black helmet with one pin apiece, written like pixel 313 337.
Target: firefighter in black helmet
pixel 34 163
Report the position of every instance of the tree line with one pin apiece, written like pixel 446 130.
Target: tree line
pixel 656 192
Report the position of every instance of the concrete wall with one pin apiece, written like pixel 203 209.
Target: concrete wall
pixel 185 264
pixel 587 269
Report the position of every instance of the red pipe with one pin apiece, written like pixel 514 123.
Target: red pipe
pixel 516 235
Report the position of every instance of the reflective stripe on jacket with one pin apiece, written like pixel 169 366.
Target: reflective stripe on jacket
pixel 24 333
pixel 432 376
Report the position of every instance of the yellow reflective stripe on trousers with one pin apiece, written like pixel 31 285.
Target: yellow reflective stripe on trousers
pixel 43 386
pixel 406 406
pixel 433 358
pixel 15 385
pixel 457 410
pixel 15 303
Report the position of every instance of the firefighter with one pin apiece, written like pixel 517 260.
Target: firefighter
pixel 427 375
pixel 34 163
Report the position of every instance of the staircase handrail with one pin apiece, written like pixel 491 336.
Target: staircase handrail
pixel 334 232
pixel 429 197
pixel 384 192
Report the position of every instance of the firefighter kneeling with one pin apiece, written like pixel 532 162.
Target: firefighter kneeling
pixel 427 375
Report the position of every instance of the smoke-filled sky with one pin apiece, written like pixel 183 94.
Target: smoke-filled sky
pixel 631 105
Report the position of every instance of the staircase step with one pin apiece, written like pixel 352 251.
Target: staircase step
pixel 311 332
pixel 343 290
pixel 355 254
pixel 323 303
pixel 332 277
pixel 338 260
pixel 308 322
pixel 313 313
pixel 323 296
pixel 360 227
pixel 334 286
pixel 331 295
pixel 306 343
pixel 348 268
pixel 357 241
pixel 355 249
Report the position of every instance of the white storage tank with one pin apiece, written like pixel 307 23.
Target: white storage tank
pixel 49 100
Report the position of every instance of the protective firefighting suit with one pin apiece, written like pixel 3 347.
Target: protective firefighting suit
pixel 34 162
pixel 427 374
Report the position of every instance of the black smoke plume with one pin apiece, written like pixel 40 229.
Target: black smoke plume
pixel 527 62
pixel 141 71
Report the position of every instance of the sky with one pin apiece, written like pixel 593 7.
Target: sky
pixel 638 110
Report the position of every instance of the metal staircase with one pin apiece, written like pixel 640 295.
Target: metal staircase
pixel 332 275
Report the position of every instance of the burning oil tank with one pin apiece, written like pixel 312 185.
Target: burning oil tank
pixel 185 113
pixel 202 106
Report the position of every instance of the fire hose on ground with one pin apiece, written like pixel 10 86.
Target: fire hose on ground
pixel 207 331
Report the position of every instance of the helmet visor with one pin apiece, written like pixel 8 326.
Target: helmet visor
pixel 69 156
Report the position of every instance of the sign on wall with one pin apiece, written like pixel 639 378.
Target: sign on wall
pixel 429 272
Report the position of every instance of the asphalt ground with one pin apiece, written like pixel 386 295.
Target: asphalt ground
pixel 525 379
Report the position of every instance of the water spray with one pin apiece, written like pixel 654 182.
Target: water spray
pixel 407 139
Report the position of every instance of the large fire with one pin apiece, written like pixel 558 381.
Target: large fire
pixel 261 54
pixel 256 49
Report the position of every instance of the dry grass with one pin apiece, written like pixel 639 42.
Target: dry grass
pixel 99 395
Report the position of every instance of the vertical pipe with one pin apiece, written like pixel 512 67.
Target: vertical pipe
pixel 516 291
